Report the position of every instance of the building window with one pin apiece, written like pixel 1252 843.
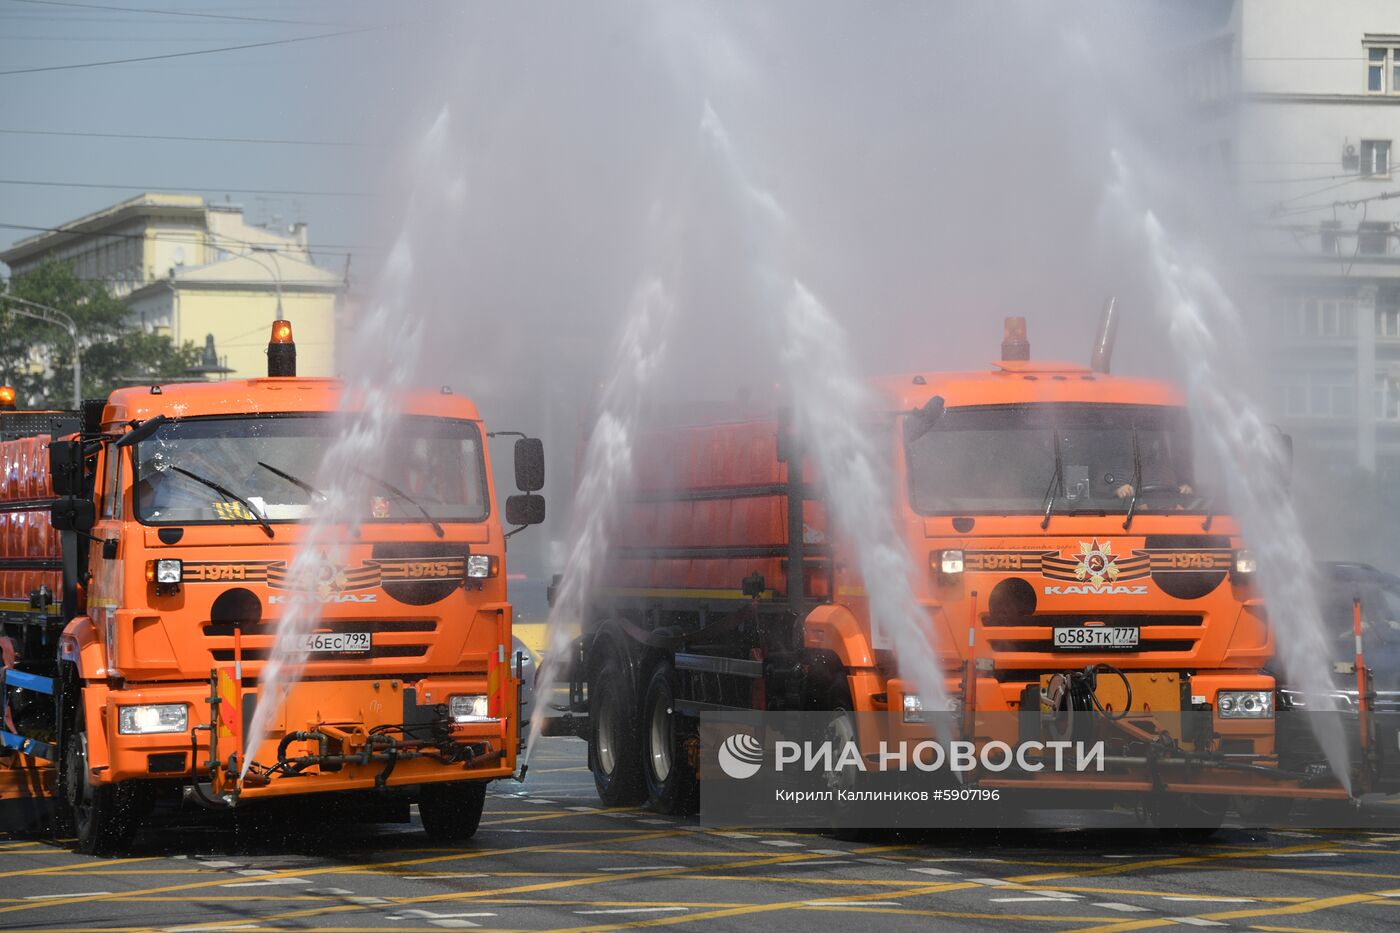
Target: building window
pixel 1387 398
pixel 1388 322
pixel 1382 69
pixel 1327 232
pixel 1375 157
pixel 1321 395
pixel 1373 238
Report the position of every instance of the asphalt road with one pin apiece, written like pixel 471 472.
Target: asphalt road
pixel 549 857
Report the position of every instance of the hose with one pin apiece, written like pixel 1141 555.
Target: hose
pixel 1092 671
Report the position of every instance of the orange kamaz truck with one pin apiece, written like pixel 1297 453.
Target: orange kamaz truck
pixel 149 549
pixel 1077 580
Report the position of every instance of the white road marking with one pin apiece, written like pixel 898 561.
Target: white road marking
pixel 783 843
pixel 732 835
pixel 465 874
pixel 217 864
pixel 951 859
pixel 829 852
pixel 1213 900
pixel 1125 908
pixel 639 867
pixel 254 871
pixel 1304 854
pixel 832 861
pixel 878 861
pixel 202 928
pixel 1026 900
pixel 331 892
pixel 631 910
pixel 1197 921
pixel 48 897
pixel 854 904
pixel 992 882
pixel 655 822
pixel 362 899
pixel 264 884
pixel 583 809
pixel 935 871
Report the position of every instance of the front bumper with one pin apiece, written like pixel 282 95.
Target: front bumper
pixel 326 736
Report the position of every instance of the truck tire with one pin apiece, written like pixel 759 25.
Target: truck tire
pixel 841 730
pixel 1189 817
pixel 614 752
pixel 452 812
pixel 670 779
pixel 103 817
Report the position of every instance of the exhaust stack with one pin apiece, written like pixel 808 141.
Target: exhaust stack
pixel 1102 360
pixel 1014 344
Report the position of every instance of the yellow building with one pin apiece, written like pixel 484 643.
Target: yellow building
pixel 190 268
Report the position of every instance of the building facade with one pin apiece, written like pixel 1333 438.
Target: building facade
pixel 189 268
pixel 1300 105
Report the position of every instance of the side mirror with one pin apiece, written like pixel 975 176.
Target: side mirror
pixel 524 510
pixel 529 465
pixel 73 514
pixel 65 466
pixel 922 420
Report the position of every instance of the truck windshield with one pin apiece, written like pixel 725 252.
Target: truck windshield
pixel 271 463
pixel 1002 459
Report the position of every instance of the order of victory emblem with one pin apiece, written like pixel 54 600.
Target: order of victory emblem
pixel 1097 563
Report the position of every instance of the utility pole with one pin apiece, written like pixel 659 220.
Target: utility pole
pixel 54 316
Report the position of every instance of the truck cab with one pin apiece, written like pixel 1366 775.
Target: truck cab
pixel 198 550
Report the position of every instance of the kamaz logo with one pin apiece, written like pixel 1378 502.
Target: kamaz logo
pixel 1085 589
pixel 305 598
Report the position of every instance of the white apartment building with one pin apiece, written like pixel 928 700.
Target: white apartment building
pixel 1300 102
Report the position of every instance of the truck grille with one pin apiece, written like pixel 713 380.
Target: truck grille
pixel 393 638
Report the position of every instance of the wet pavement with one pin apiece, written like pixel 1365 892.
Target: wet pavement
pixel 548 856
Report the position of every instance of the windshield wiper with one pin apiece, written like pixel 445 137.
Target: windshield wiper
pixel 225 491
pixel 394 490
pixel 1056 481
pixel 301 484
pixel 1137 480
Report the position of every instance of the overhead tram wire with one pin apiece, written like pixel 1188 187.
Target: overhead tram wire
pixel 169 189
pixel 331 249
pixel 170 55
pixel 190 139
pixel 186 13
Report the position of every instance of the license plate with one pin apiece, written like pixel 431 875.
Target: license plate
pixel 337 643
pixel 1096 636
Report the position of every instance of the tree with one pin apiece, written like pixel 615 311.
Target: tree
pixel 37 357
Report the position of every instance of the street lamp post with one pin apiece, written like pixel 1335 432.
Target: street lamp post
pixel 55 316
pixel 275 269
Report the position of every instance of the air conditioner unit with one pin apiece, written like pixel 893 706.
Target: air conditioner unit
pixel 1351 162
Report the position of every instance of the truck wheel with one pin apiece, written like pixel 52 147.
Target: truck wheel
pixel 103 816
pixel 452 812
pixel 670 779
pixel 839 731
pixel 612 716
pixel 1190 817
pixel 1263 812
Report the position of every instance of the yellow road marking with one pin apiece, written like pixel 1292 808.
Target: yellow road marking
pixel 953 914
pixel 55 869
pixel 293 873
pixel 1306 907
pixel 597 878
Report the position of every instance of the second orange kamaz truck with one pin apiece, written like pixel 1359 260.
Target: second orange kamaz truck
pixel 1077 583
pixel 151 556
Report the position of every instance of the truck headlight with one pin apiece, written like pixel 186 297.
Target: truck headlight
pixel 1244 563
pixel 153 719
pixel 950 562
pixel 913 708
pixel 1245 704
pixel 478 566
pixel 166 571
pixel 470 708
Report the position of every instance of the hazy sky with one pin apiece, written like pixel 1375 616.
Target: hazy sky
pixel 296 91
